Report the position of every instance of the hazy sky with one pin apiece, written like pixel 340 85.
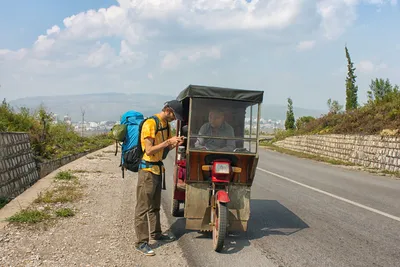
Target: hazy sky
pixel 285 47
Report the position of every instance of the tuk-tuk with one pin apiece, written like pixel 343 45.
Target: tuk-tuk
pixel 215 167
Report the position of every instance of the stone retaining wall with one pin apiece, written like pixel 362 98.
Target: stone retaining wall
pixel 17 166
pixel 371 151
pixel 47 167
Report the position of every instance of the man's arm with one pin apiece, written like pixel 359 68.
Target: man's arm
pixel 149 135
pixel 200 140
pixel 230 144
pixel 150 149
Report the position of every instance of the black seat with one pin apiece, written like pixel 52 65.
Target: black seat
pixel 210 158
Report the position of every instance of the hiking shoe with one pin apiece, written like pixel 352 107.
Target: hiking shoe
pixel 145 249
pixel 162 237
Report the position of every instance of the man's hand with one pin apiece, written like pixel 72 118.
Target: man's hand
pixel 175 141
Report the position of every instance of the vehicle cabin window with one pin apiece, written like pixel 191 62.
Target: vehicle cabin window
pixel 223 119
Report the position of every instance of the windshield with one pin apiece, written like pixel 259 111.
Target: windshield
pixel 223 126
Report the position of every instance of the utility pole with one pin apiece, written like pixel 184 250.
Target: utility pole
pixel 83 119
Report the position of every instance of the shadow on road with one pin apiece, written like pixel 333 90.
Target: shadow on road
pixel 268 217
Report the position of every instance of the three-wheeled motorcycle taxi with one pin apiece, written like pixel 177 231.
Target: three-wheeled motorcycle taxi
pixel 215 167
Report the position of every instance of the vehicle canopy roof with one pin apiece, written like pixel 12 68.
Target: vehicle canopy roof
pixel 200 91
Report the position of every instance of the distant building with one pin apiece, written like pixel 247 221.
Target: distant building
pixel 67 119
pixel 55 118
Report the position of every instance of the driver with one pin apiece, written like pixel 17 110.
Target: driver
pixel 217 126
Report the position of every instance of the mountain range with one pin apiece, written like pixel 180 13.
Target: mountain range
pixel 110 106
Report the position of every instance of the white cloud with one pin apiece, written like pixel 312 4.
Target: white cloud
pixel 106 22
pixel 100 56
pixel 306 45
pixel 173 59
pixel 152 8
pixel 337 15
pixel 239 14
pixel 43 45
pixel 6 54
pixel 118 38
pixel 367 66
pixel 54 30
pixel 218 15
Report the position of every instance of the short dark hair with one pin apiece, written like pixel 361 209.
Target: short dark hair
pixel 217 110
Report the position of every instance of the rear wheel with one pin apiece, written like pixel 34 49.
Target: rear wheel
pixel 220 226
pixel 175 207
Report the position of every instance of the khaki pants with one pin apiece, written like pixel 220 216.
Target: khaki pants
pixel 148 201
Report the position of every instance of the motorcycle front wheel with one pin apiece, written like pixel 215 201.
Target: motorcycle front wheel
pixel 220 225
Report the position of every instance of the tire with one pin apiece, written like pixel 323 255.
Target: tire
pixel 220 226
pixel 175 208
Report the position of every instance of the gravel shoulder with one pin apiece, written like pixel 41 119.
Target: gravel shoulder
pixel 101 233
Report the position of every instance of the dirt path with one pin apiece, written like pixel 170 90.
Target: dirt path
pixel 100 234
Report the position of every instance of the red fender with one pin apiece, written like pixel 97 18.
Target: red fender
pixel 222 196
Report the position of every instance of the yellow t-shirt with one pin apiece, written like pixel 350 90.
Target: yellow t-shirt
pixel 149 130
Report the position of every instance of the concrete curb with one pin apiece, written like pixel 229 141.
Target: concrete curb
pixel 25 199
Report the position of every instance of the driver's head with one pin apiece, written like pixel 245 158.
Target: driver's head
pixel 216 117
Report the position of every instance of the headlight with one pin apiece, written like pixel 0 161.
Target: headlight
pixel 222 168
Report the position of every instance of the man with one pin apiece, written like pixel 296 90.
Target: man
pixel 217 126
pixel 148 196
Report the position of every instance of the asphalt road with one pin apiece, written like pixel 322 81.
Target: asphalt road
pixel 306 213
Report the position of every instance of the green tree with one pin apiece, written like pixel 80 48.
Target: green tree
pixel 290 121
pixel 334 106
pixel 351 87
pixel 382 90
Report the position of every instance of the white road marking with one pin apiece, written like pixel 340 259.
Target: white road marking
pixel 332 195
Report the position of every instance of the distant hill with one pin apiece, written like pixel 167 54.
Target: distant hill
pixel 109 106
pixel 278 112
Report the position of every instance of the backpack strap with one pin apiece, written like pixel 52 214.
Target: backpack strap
pixel 161 129
pixel 156 119
pixel 160 164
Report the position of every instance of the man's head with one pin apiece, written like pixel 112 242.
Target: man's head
pixel 173 110
pixel 216 117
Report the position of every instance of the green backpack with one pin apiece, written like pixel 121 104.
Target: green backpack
pixel 118 133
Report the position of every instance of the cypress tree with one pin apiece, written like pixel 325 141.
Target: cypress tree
pixel 290 121
pixel 351 88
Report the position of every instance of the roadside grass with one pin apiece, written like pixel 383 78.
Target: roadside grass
pixel 270 145
pixel 385 172
pixel 60 194
pixel 65 212
pixel 3 201
pixel 53 203
pixel 29 216
pixel 65 175
pixel 85 171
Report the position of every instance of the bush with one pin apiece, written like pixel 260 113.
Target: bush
pixel 48 140
pixel 381 112
pixel 369 119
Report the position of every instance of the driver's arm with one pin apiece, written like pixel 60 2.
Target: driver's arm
pixel 230 144
pixel 200 140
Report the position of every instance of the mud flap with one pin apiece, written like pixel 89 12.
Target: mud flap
pixel 223 197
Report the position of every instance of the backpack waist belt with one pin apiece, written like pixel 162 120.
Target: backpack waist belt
pixel 160 164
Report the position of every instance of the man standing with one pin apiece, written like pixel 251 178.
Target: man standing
pixel 151 170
